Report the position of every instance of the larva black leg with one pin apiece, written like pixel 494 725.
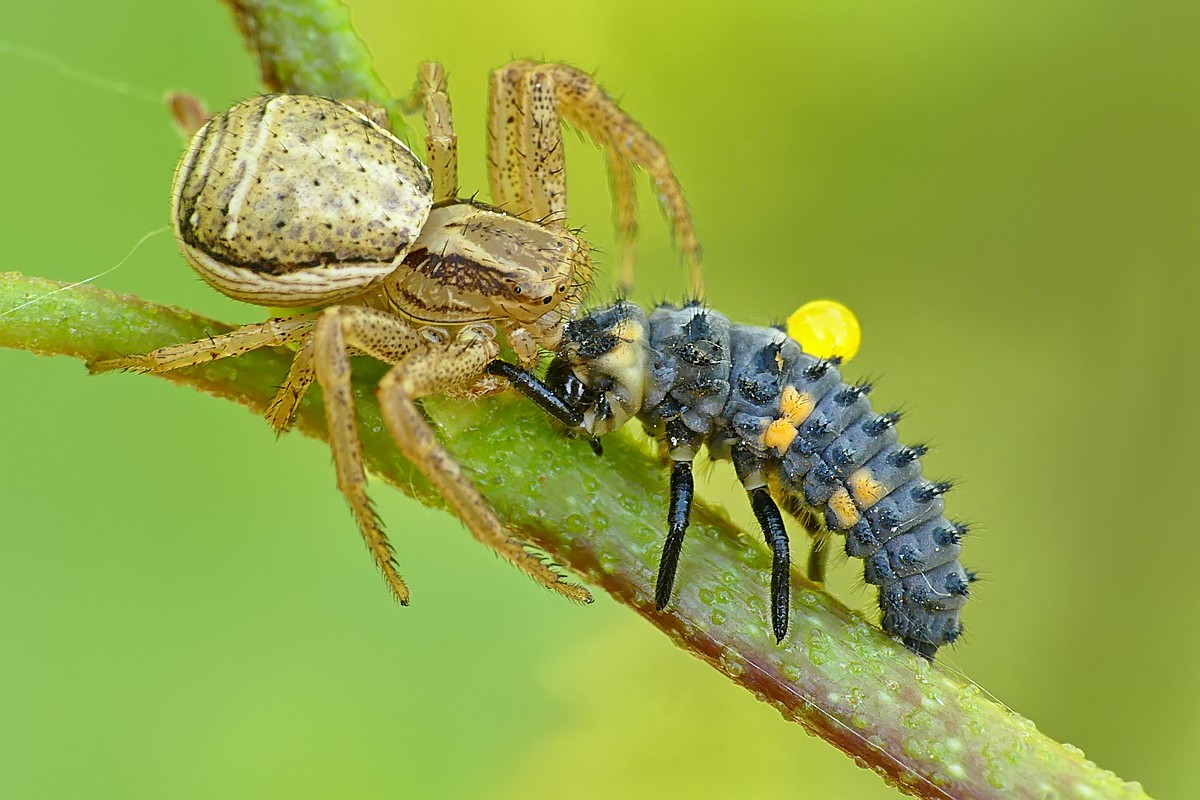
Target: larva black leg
pixel 817 558
pixel 771 522
pixel 818 536
pixel 682 490
pixel 528 384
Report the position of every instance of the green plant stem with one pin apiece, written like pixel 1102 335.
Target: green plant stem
pixel 926 732
pixel 310 47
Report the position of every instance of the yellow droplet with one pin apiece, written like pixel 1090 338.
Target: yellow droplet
pixel 826 328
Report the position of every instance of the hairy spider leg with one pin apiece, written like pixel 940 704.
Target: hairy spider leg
pixel 276 332
pixel 422 368
pixel 333 373
pixel 281 411
pixel 187 112
pixel 522 116
pixel 441 142
pixel 503 155
pixel 271 333
pixel 435 369
pixel 625 209
pixel 526 169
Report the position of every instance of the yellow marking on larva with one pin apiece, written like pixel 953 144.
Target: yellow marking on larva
pixel 628 330
pixel 624 356
pixel 866 490
pixel 779 434
pixel 795 406
pixel 626 362
pixel 843 508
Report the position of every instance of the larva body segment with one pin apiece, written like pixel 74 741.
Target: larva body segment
pixel 793 429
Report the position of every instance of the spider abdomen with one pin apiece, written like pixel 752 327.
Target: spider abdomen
pixel 297 200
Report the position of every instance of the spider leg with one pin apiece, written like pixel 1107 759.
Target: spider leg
pixel 272 333
pixel 187 112
pixel 504 154
pixel 441 142
pixel 281 411
pixel 339 327
pixel 518 104
pixel 434 370
pixel 543 169
pixel 625 217
pixel 525 155
pixel 771 522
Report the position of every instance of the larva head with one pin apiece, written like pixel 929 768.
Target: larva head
pixel 473 263
pixel 294 200
pixel 600 370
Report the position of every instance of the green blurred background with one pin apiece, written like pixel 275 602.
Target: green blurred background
pixel 1006 193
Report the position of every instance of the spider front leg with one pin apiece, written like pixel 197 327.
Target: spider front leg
pixel 441 142
pixel 525 154
pixel 525 160
pixel 422 367
pixel 339 328
pixel 445 368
